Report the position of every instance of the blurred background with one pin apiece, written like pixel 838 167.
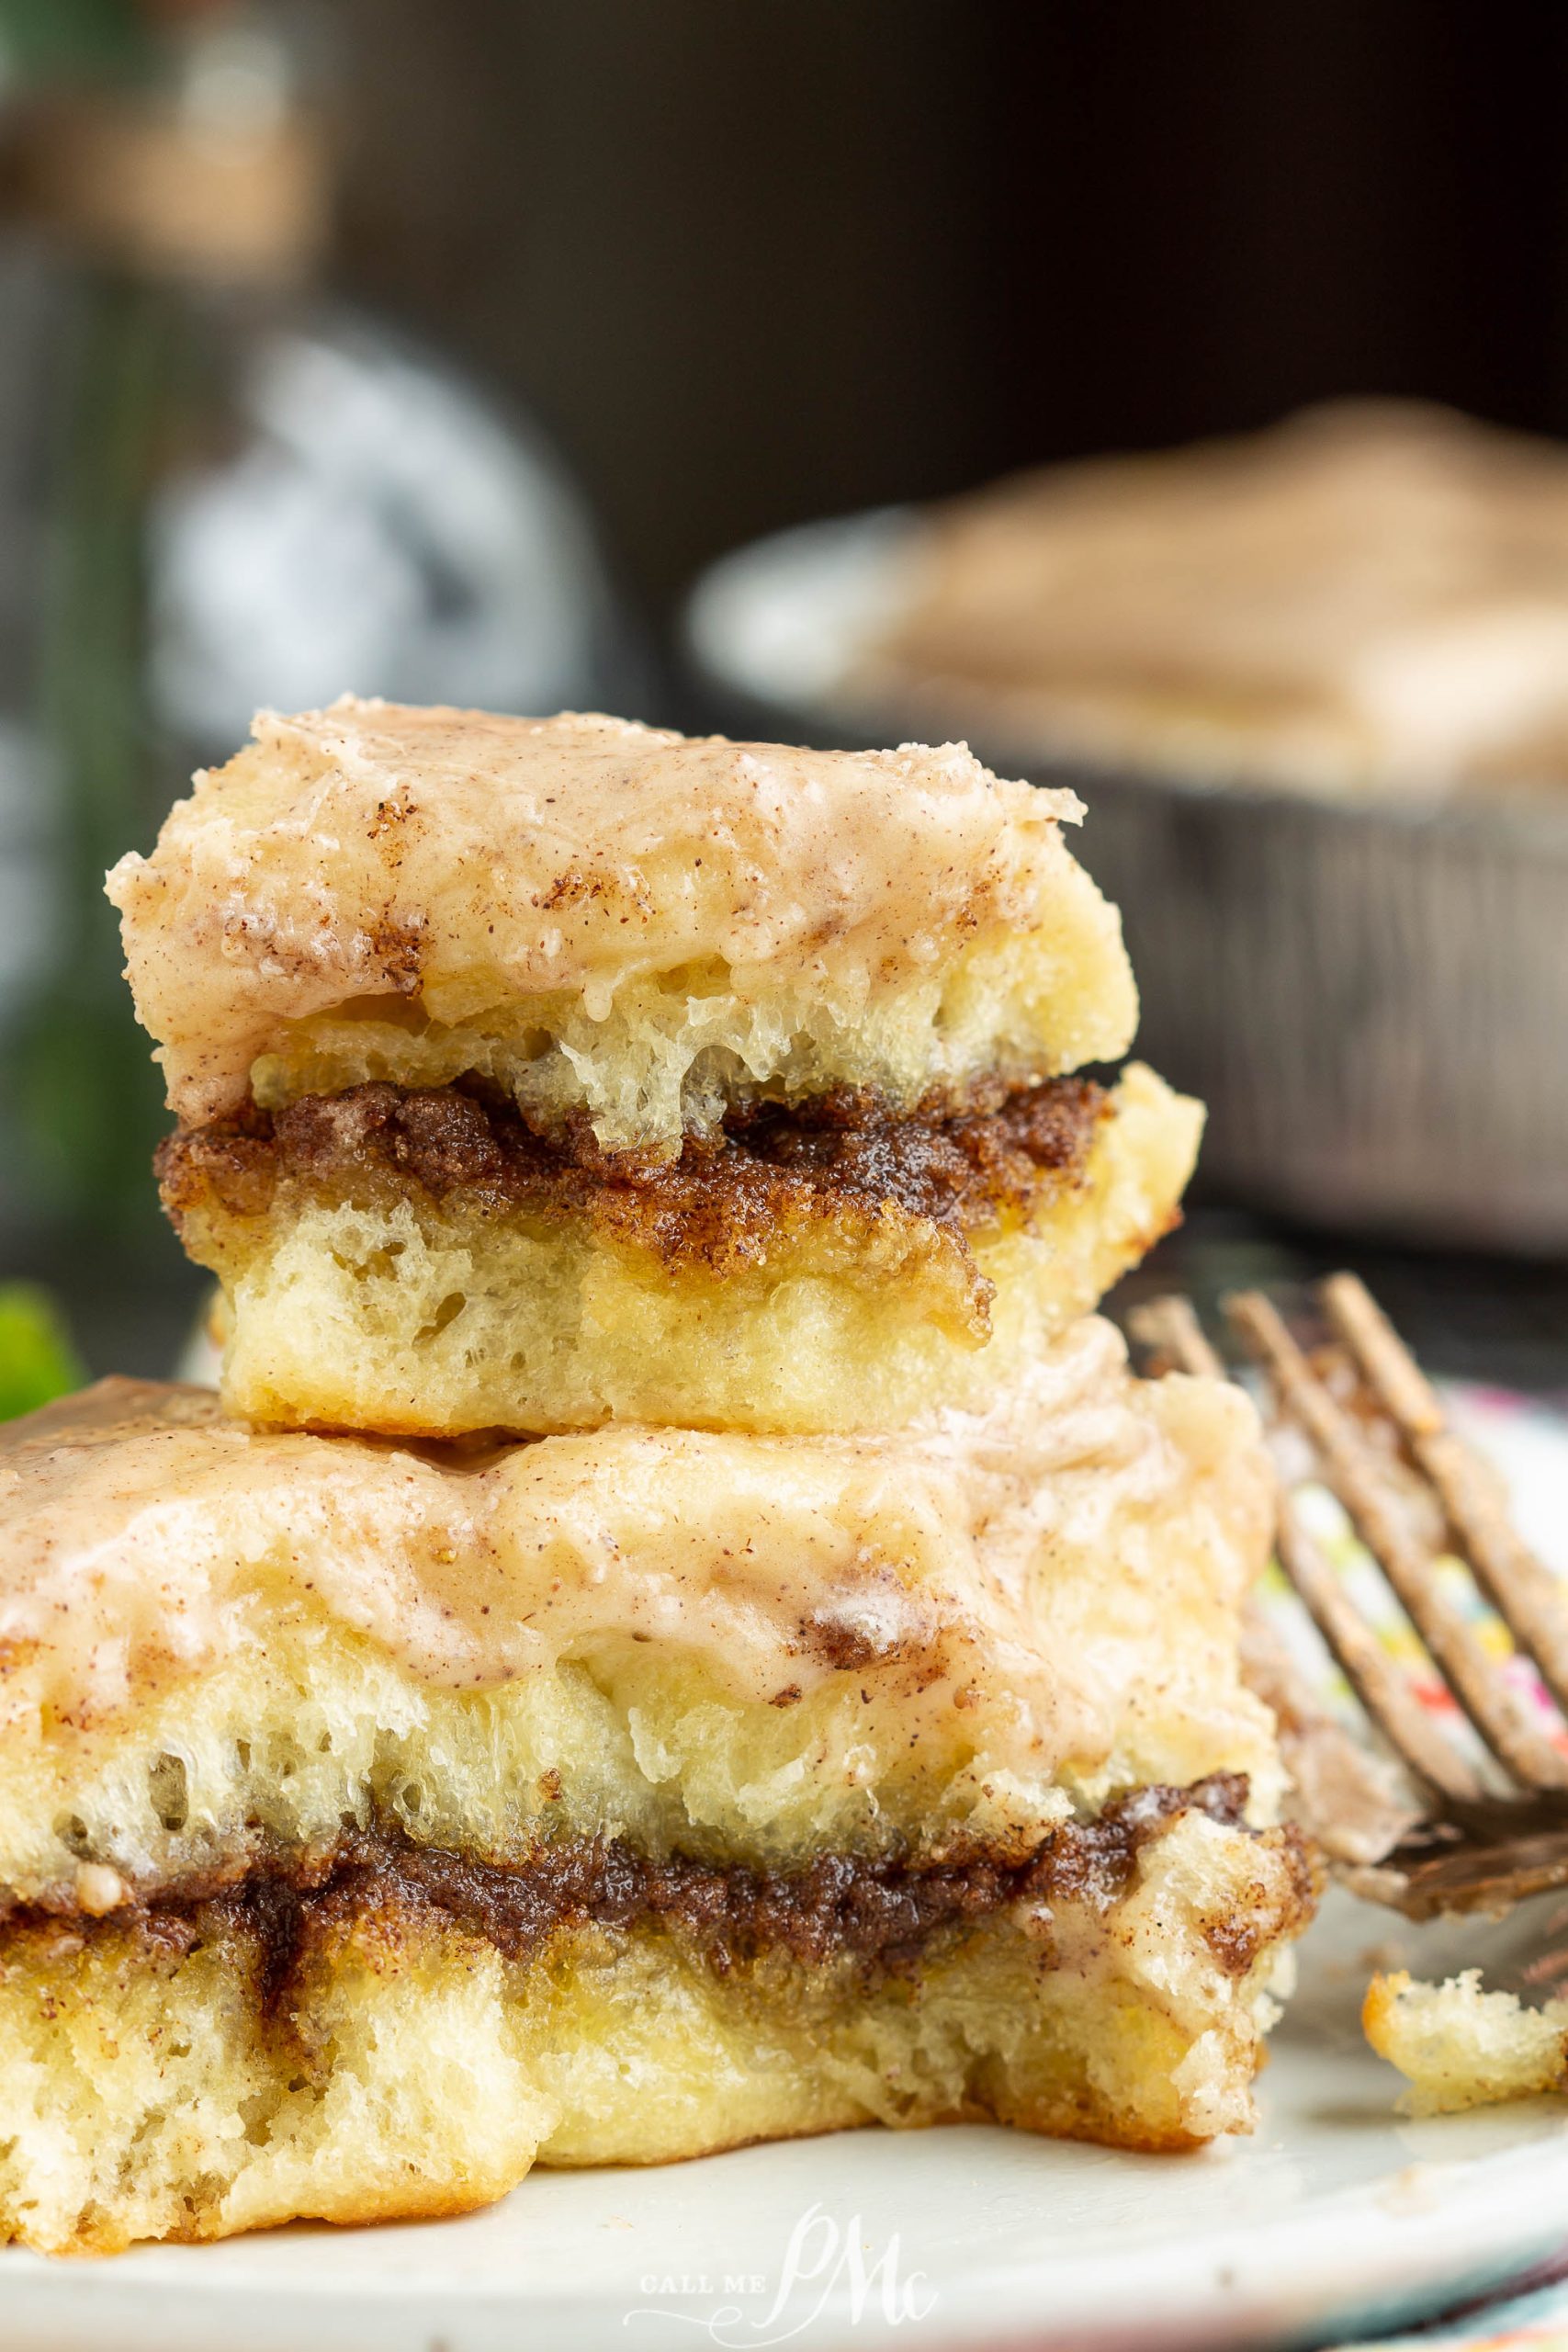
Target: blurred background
pixel 437 351
pixel 754 264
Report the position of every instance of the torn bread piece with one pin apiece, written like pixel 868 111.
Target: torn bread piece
pixel 1459 2047
pixel 420 1262
pixel 383 1819
pixel 610 924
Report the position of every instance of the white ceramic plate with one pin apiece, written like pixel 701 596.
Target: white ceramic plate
pixel 784 621
pixel 1337 2218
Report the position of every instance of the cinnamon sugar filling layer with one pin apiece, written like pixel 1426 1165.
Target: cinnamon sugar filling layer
pixel 880 1913
pixel 772 1168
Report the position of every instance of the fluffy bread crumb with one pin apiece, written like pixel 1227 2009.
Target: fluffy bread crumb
pixel 610 920
pixel 781 1642
pixel 1460 2047
pixel 435 1318
pixel 409 2069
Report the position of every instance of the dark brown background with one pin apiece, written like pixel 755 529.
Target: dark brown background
pixel 758 260
pixel 755 260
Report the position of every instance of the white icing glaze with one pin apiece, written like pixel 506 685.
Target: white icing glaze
pixel 1073 1562
pixel 1373 592
pixel 467 867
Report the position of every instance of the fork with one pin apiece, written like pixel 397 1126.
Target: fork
pixel 1442 1835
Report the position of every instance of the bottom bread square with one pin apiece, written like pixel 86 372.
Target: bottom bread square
pixel 391 2043
pixel 379 1820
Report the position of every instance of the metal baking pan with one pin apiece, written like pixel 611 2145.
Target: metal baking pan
pixel 1371 995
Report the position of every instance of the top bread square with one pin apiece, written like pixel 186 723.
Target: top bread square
pixel 610 922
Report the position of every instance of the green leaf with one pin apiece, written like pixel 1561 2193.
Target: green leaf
pixel 37 1360
pixel 47 40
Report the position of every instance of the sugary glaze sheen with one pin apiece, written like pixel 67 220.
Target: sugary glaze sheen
pixel 1052 1589
pixel 385 1817
pixel 1373 593
pixel 608 918
pixel 383 1820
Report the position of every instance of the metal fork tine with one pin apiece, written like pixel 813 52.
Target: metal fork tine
pixel 1358 1803
pixel 1352 1471
pixel 1467 1848
pixel 1522 1590
pixel 1381 1689
pixel 1170 1327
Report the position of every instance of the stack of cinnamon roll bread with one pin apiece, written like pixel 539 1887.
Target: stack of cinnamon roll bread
pixel 680 1627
